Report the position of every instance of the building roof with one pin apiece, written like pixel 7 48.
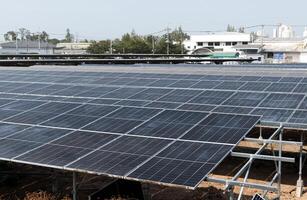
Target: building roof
pixel 280 40
pixel 27 44
pixel 249 46
pixel 222 37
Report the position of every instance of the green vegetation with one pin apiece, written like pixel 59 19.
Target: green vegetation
pixel 25 34
pixel 134 43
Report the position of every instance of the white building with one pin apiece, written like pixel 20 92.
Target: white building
pixel 283 31
pixel 72 48
pixel 284 50
pixel 217 42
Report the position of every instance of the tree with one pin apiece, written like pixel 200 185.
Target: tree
pixel 24 33
pixel 54 41
pixel 231 28
pixel 99 47
pixel 10 36
pixel 69 37
pixel 44 36
pixel 241 30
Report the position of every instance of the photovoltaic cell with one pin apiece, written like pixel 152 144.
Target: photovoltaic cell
pixel 54 155
pixel 196 107
pixel 299 117
pixel 211 97
pixel 11 148
pixel 255 86
pixel 39 134
pixel 169 146
pixel 137 145
pixel 273 115
pixel 87 140
pixel 230 85
pixel 222 128
pixel 108 162
pixel 276 100
pixel 245 99
pixel 9 129
pixel 281 87
pixel 233 109
pixel 169 124
pixel 180 96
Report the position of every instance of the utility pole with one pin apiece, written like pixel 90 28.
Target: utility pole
pixel 39 43
pixel 153 44
pixel 111 47
pixel 181 44
pixel 168 41
pixel 262 34
pixel 16 40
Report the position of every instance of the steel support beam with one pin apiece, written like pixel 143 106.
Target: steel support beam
pixel 74 186
pixel 262 157
pixel 241 171
pixel 272 141
pixel 242 184
pixel 300 181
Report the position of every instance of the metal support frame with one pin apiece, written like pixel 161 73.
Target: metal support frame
pixel 263 157
pixel 300 181
pixel 230 183
pixel 74 186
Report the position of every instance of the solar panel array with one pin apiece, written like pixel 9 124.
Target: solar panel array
pixel 165 128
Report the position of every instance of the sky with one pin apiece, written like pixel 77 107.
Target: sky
pixel 103 19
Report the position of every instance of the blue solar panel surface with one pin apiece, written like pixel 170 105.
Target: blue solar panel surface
pixel 138 125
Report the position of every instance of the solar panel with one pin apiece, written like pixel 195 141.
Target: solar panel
pixel 255 86
pixel 230 85
pixel 182 163
pixel 281 87
pixel 83 139
pixel 53 155
pixel 150 94
pixel 9 129
pixel 179 95
pixel 39 134
pixel 276 100
pixel 301 88
pixel 299 117
pixel 169 128
pixel 169 124
pixel 206 84
pixel 165 105
pixel 222 128
pixel 211 97
pixel 273 115
pixel 196 107
pixel 245 99
pixel 233 109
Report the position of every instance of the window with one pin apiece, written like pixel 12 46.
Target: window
pixel 270 55
pixel 217 44
pixel 200 44
pixel 228 43
pixel 245 43
pixel 234 43
pixel 210 43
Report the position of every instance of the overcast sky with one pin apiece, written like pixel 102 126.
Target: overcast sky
pixel 101 19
